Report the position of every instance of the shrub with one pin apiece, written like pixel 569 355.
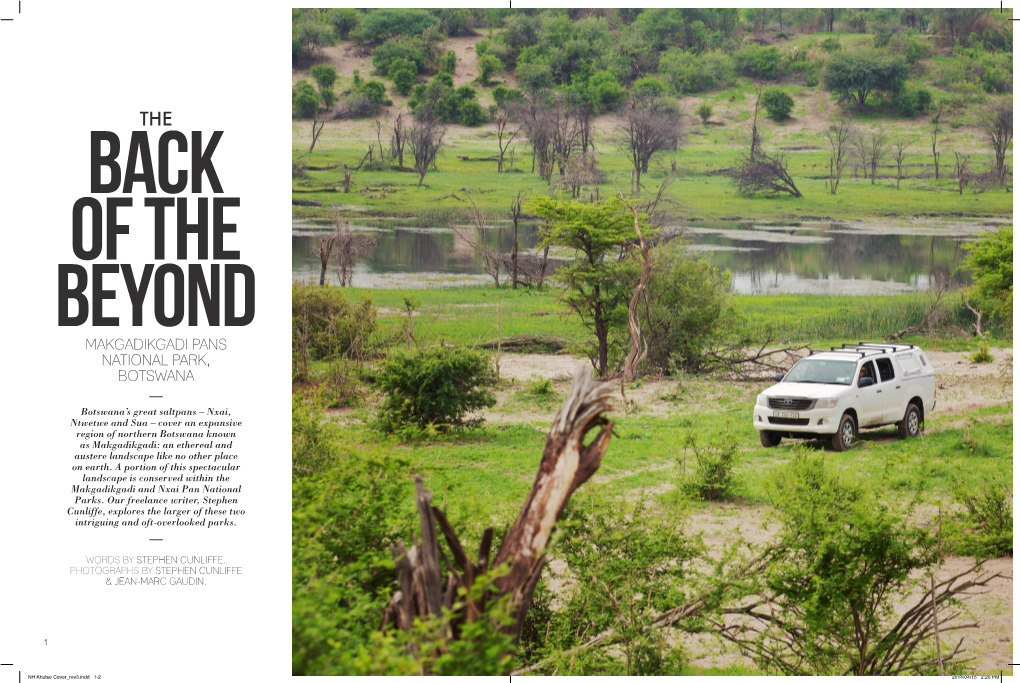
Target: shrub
pixel 306 100
pixel 709 476
pixel 830 45
pixel 404 81
pixel 915 50
pixel 488 66
pixel 778 103
pixel 448 65
pixel 649 86
pixel 444 78
pixel 344 21
pixel 325 324
pixel 704 110
pixel 472 113
pixel 535 76
pixel 985 527
pixel 401 51
pixel 983 354
pixel 912 101
pixel 380 24
pixel 503 95
pixel 324 75
pixel 990 260
pixel 435 387
pixel 758 61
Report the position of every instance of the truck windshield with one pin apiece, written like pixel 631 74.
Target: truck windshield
pixel 817 371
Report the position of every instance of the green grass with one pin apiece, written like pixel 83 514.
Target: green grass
pixel 466 315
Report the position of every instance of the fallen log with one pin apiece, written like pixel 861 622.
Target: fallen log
pixel 464 157
pixel 527 341
pixel 448 196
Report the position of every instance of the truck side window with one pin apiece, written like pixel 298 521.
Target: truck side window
pixel 867 370
pixel 885 369
pixel 908 364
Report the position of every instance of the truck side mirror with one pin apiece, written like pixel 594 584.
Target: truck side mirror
pixel 865 382
pixel 779 376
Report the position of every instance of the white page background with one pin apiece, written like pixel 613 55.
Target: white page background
pixel 67 68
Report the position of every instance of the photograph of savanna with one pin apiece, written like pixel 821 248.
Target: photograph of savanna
pixel 652 342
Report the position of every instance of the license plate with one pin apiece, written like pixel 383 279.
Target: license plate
pixel 794 415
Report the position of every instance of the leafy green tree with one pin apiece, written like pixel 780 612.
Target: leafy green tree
pixel 309 37
pixel 759 61
pixel 855 74
pixel 990 261
pixel 778 103
pixel 472 113
pixel 704 111
pixel 344 21
pixel 598 284
pixel 324 75
pixel 402 51
pixel 404 81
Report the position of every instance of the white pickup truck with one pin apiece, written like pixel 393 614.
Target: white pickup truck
pixel 835 393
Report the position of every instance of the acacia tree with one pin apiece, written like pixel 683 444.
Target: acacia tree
pixel 650 125
pixel 425 139
pixel 855 74
pixel 997 123
pixel 598 283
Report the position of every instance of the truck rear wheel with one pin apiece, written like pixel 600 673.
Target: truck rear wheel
pixel 845 435
pixel 910 425
pixel 769 439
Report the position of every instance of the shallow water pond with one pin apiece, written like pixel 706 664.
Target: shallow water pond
pixel 820 257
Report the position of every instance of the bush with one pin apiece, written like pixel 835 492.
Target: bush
pixel 535 76
pixel 915 50
pixel 985 527
pixel 448 65
pixel 380 24
pixel 306 100
pixel 404 81
pixel 488 66
pixel 690 309
pixel 344 21
pixel 404 52
pixel 983 354
pixel 472 113
pixel 709 476
pixel 434 388
pixel 503 95
pixel 758 61
pixel 649 87
pixel 830 45
pixel 778 103
pixel 324 75
pixel 912 101
pixel 990 260
pixel 704 110
pixel 325 324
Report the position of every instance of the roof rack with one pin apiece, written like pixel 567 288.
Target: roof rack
pixel 864 348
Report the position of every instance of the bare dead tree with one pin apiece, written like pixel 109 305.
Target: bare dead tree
pixel 760 173
pixel 515 215
pixel 997 124
pixel 398 139
pixel 349 249
pixel 585 129
pixel 900 155
pixel 425 140
pixel 490 257
pixel 542 265
pixel 582 169
pixel 347 179
pixel 378 138
pixel 324 249
pixel 878 145
pixel 565 138
pixel 537 127
pixel 960 168
pixel 840 135
pixel 505 133
pixel 860 145
pixel 567 463
pixel 650 125
pixel 934 131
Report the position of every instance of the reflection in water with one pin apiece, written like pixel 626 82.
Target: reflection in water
pixel 808 257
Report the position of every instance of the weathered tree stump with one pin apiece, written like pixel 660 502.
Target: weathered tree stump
pixel 566 464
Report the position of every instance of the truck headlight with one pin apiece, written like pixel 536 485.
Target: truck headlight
pixel 832 402
pixel 762 401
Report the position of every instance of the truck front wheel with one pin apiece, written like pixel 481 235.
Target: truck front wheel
pixel 845 435
pixel 911 423
pixel 769 439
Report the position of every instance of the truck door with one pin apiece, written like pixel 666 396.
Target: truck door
pixel 872 408
pixel 891 390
